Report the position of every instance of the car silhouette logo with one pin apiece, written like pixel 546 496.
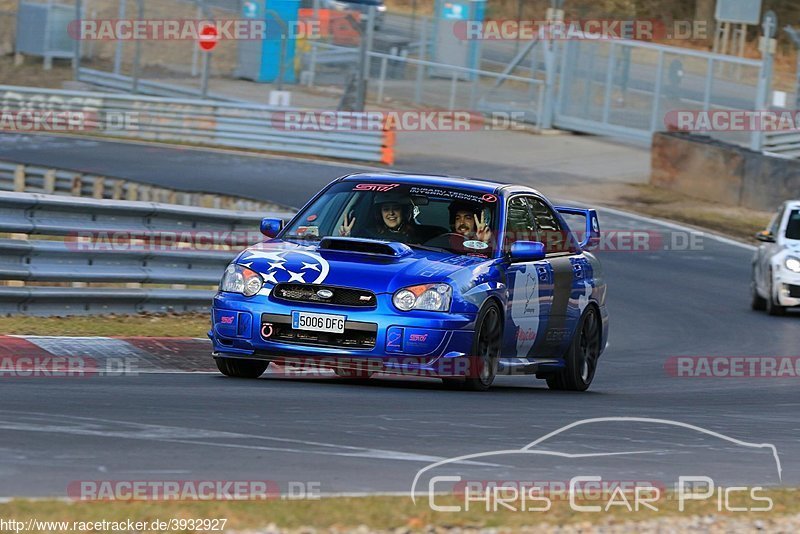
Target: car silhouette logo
pixel 324 293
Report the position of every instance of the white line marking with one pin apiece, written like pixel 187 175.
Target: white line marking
pixel 88 426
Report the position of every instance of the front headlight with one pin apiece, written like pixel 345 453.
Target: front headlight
pixel 793 264
pixel 238 279
pixel 430 297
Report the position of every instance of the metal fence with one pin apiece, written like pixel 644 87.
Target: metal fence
pixel 405 80
pixel 139 247
pixel 617 87
pixel 8 31
pixel 158 67
pixel 628 88
pixel 623 88
pixel 110 81
pixel 209 122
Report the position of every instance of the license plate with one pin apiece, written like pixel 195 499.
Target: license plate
pixel 318 322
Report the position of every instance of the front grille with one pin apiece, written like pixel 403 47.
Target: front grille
pixel 342 296
pixel 357 335
pixel 794 291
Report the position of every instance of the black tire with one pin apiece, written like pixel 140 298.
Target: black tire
pixel 241 368
pixel 771 306
pixel 582 355
pixel 757 302
pixel 486 346
pixel 453 383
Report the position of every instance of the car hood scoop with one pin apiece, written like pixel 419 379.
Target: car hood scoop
pixel 351 262
pixel 365 246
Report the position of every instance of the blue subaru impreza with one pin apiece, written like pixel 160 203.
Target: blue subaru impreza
pixel 419 275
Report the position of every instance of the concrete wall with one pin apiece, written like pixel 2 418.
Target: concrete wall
pixel 701 167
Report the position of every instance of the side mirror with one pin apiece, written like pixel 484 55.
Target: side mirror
pixel 271 227
pixel 765 236
pixel 527 251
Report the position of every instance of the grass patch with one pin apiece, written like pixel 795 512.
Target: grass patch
pixel 736 222
pixel 144 324
pixel 385 513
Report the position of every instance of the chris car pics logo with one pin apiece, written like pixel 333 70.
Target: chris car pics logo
pixel 466 482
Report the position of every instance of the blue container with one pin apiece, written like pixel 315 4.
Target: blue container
pixel 260 61
pixel 448 47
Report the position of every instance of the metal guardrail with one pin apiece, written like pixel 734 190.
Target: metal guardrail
pixel 115 242
pixel 208 122
pixel 124 84
pixel 782 143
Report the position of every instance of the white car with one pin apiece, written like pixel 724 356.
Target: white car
pixel 776 264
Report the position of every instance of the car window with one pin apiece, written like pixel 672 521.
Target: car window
pixel 520 225
pixel 414 214
pixel 793 225
pixel 548 229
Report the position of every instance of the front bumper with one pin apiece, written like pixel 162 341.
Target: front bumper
pixel 787 287
pixel 419 343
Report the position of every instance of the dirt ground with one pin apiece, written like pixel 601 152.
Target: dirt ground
pixel 31 73
pixel 738 223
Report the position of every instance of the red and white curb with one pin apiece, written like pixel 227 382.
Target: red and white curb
pixel 123 355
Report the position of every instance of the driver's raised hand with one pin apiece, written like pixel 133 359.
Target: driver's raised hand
pixel 347 225
pixel 482 231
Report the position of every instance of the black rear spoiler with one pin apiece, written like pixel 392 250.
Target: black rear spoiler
pixel 591 231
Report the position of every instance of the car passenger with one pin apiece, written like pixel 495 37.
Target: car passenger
pixel 464 220
pixel 393 220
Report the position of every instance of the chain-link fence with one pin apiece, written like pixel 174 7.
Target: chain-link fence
pixel 8 30
pixel 160 60
pixel 619 87
pixel 400 63
pixel 631 88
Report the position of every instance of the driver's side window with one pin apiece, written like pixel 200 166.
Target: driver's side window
pixel 520 225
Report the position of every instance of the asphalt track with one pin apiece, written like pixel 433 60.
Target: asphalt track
pixel 184 169
pixel 375 436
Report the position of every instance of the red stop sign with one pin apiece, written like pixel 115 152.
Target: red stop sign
pixel 208 37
